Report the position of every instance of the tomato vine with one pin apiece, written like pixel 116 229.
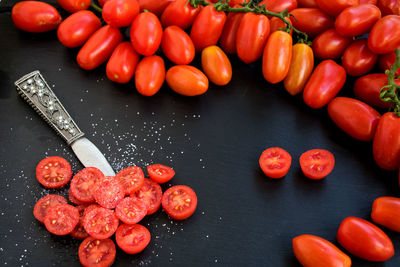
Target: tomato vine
pixel 390 92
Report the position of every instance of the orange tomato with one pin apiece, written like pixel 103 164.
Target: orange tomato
pixel 150 75
pixel 216 65
pixel 385 211
pixel 187 80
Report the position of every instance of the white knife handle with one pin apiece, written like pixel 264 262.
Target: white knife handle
pixel 34 89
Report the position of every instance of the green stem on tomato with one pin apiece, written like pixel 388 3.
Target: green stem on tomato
pixel 96 7
pixel 390 92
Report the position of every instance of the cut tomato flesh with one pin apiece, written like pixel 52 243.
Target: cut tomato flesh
pixel 53 172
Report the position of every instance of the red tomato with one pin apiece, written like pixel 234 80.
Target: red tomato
pixel 216 65
pixel 364 240
pixel 74 5
pixel 46 202
pixel 120 13
pixel 90 208
pixel 61 219
pixel 357 59
pixel 251 37
pixel 102 2
pixel 132 179
pixel 109 191
pixel 389 7
pixel 79 231
pixel 73 199
pixel 154 6
pixel 301 67
pixel 324 84
pixel 330 44
pixel 146 33
pixel 77 28
pixel 354 117
pixel 35 16
pixel 53 172
pixel 279 5
pixel 386 143
pixel 100 223
pixel 275 162
pixel 228 36
pixel 334 7
pixel 187 80
pixel 150 193
pixel 277 24
pixel 311 20
pixel 160 173
pixel 207 27
pixel 385 35
pixel 311 250
pixel 277 56
pixel 132 239
pixel 179 202
pixel 122 64
pixel 99 47
pixel 307 3
pixel 179 13
pixel 84 183
pixel 316 164
pixel 96 252
pixel 385 211
pixel 373 2
pixel 233 3
pixel 131 210
pixel 357 20
pixel 177 45
pixel 150 75
pixel 386 61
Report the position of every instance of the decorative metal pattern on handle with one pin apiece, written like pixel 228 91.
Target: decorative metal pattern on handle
pixel 34 89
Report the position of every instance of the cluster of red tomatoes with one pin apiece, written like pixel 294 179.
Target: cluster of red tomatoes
pixel 105 201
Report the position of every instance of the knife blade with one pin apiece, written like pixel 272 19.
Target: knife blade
pixel 35 90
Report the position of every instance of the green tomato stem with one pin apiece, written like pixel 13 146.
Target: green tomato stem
pixel 96 7
pixel 390 92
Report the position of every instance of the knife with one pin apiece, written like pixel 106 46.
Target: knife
pixel 35 90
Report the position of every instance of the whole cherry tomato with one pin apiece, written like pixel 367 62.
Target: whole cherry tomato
pixel 232 3
pixel 99 47
pixel 276 24
pixel 385 35
pixel 334 7
pixel 354 117
pixel 102 2
pixel 277 56
pixel 358 59
pixel 311 250
pixel 74 5
pixel 216 65
pixel 187 80
pixel 311 20
pixel 150 75
pixel 179 13
pixel 386 143
pixel 386 61
pixel 279 5
pixel 330 44
pixel 357 20
pixel 155 6
pixel 120 13
pixel 365 240
pixel 122 64
pixel 307 3
pixel 35 16
pixel 385 211
pixel 77 28
pixel 301 67
pixel 389 7
pixel 373 2
pixel 207 27
pixel 251 37
pixel 228 36
pixel 146 33
pixel 324 84
pixel 177 45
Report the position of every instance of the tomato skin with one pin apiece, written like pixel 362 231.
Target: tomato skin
pixel 311 250
pixel 122 64
pixel 275 162
pixel 154 6
pixel 74 5
pixel 177 45
pixel 311 20
pixel 389 7
pixel 358 59
pixel 324 84
pixel 251 37
pixel 372 2
pixel 386 61
pixel 146 33
pixel 307 3
pixel 160 173
pixel 96 252
pixel 384 36
pixel 127 232
pixel 207 27
pixel 187 80
pixel 120 13
pixel 364 240
pixel 279 5
pixel 276 24
pixel 227 40
pixel 179 202
pixel 385 211
pixel 35 16
pixel 316 164
pixel 334 7
pixel 300 69
pixel 179 13
pixel 386 143
pixel 277 56
pixel 216 65
pixel 150 75
pixel 330 44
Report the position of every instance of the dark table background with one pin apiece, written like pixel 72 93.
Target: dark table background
pixel 212 141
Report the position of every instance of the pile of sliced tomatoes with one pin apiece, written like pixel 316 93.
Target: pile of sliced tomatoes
pixel 108 205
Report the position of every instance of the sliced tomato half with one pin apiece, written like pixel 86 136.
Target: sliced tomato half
pixel 96 252
pixel 275 162
pixel 61 219
pixel 179 202
pixel 131 210
pixel 132 178
pixel 100 223
pixel 109 192
pixel 150 193
pixel 132 238
pixel 84 182
pixel 53 172
pixel 317 163
pixel 43 205
pixel 79 231
pixel 160 173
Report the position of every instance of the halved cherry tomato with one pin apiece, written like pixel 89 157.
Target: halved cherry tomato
pixel 122 64
pixel 279 5
pixel 358 59
pixel 334 7
pixel 311 250
pixel 73 199
pixel 384 36
pixel 131 210
pixel 79 231
pixel 307 3
pixel 74 5
pixel 84 182
pixel 100 223
pixel 187 80
pixel 389 7
pixel 251 37
pixel 385 211
pixel 275 162
pixel 146 33
pixel 276 24
pixel 43 204
pixel 150 193
pixel 386 61
pixel 132 238
pixel 89 208
pixel 179 202
pixel 132 179
pixel 177 45
pixel 216 65
pixel 120 13
pixel 160 173
pixel 53 172
pixel 77 28
pixel 108 192
pixel 179 13
pixel 365 240
pixel 61 219
pixel 317 163
pixel 154 6
pixel 227 41
pixel 96 252
pixel 150 75
pixel 311 20
pixel 330 44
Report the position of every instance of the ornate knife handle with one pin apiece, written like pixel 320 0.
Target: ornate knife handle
pixel 34 89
